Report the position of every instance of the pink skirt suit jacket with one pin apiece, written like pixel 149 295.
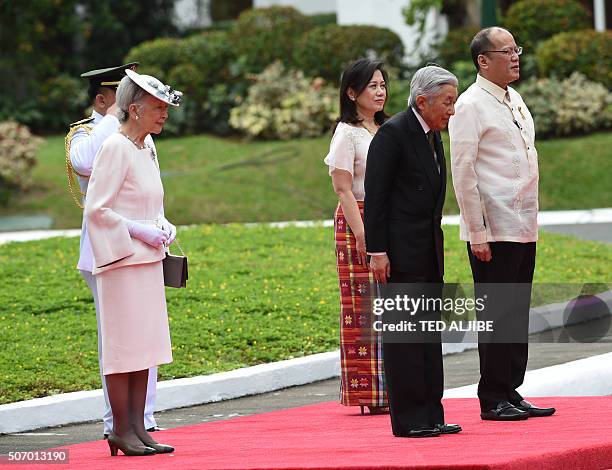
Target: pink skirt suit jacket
pixel 125 184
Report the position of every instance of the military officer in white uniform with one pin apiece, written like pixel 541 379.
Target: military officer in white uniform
pixel 82 143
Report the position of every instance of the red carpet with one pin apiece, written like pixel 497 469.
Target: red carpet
pixel 330 436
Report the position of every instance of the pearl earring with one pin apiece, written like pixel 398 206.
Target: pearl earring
pixel 137 116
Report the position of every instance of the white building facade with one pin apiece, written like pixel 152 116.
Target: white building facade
pixel 388 14
pixel 307 7
pixel 381 13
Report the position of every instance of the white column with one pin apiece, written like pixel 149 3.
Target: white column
pixel 599 12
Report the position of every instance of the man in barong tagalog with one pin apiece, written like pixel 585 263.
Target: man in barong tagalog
pixel 495 175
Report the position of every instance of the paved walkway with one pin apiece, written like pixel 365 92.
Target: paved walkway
pixel 601 232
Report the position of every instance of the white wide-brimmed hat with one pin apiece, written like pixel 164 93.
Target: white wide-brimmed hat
pixel 156 88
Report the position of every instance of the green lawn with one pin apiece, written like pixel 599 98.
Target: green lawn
pixel 212 180
pixel 255 295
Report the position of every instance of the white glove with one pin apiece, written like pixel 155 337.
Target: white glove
pixel 170 231
pixel 149 234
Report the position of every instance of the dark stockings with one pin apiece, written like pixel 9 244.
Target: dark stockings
pixel 127 393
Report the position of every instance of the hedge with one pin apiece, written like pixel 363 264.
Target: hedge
pixel 264 35
pixel 325 51
pixel 588 52
pixel 532 21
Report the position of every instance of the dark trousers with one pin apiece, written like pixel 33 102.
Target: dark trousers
pixel 414 376
pixel 502 361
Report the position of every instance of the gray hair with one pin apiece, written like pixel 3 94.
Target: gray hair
pixel 127 93
pixel 428 81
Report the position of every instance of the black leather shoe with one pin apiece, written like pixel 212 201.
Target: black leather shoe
pixel 105 436
pixel 155 428
pixel 421 431
pixel 534 411
pixel 448 428
pixel 504 411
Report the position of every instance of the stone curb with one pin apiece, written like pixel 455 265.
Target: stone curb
pixel 589 216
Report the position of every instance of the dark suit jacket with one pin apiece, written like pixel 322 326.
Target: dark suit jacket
pixel 404 196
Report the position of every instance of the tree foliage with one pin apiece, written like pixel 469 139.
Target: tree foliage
pixel 42 40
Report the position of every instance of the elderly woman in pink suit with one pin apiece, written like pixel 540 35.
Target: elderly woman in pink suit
pixel 129 233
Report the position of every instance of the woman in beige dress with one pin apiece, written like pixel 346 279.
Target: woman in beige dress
pixel 129 233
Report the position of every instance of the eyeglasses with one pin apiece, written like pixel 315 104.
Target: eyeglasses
pixel 509 52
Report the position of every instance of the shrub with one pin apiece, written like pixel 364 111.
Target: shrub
pixel 529 66
pixel 326 50
pixel 209 67
pixel 532 21
pixel 588 52
pixel 264 35
pixel 465 72
pixel 17 157
pixel 456 46
pixel 199 66
pixel 284 104
pixel 322 19
pixel 397 96
pixel 211 53
pixel 573 105
pixel 158 57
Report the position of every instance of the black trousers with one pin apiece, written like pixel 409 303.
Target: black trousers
pixel 503 362
pixel 414 376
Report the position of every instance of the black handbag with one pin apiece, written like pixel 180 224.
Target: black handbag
pixel 175 269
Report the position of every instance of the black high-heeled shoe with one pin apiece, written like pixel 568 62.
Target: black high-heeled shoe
pixel 159 448
pixel 115 443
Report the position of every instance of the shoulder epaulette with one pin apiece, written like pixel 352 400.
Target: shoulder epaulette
pixel 82 121
pixel 87 125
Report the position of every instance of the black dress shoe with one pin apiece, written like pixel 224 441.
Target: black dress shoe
pixel 421 431
pixel 534 411
pixel 448 428
pixel 504 411
pixel 105 436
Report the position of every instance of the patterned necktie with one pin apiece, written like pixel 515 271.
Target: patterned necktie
pixel 430 139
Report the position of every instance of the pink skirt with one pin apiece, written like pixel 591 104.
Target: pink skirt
pixel 133 318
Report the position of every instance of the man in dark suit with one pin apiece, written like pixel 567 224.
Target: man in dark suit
pixel 405 185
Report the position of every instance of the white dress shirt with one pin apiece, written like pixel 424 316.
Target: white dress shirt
pixel 83 148
pixel 494 165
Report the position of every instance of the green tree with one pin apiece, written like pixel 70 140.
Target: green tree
pixel 46 44
pixel 112 27
pixel 36 39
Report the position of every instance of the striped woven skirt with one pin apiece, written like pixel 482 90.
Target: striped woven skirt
pixel 361 364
